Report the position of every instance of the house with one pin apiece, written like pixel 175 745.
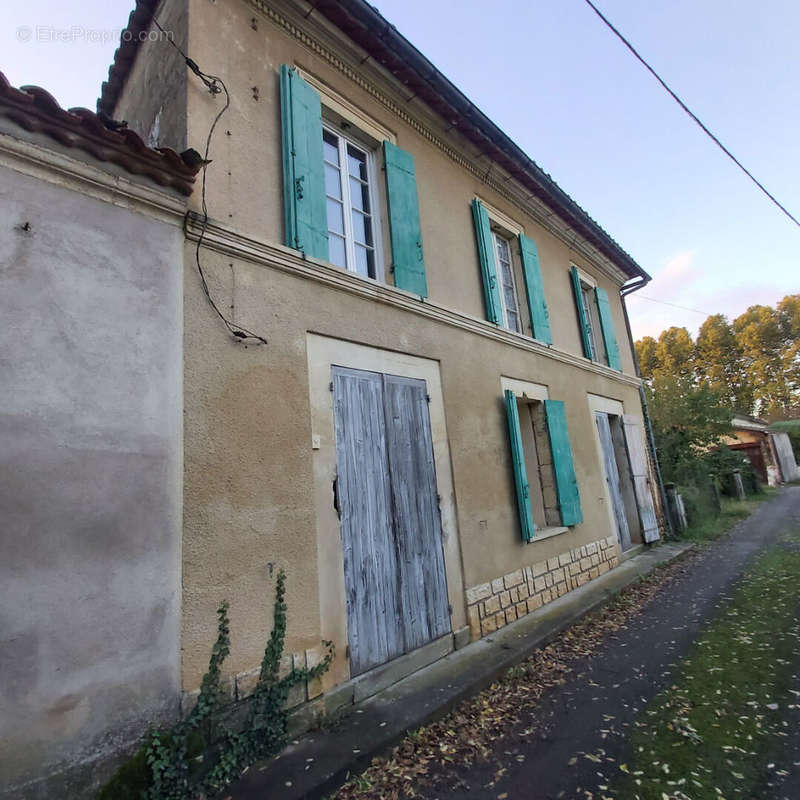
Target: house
pixel 91 262
pixel 407 377
pixel 768 451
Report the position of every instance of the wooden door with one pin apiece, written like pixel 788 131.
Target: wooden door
pixel 641 477
pixel 390 523
pixel 612 479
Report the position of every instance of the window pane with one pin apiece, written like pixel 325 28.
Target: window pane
pixel 512 319
pixel 359 195
pixel 356 163
pixel 335 216
pixel 365 261
pixel 330 147
pixel 362 228
pixel 333 184
pixel 336 254
pixel 502 249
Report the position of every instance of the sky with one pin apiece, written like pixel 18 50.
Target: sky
pixel 557 81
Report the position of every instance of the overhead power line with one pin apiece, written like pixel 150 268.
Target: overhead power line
pixel 638 296
pixel 692 114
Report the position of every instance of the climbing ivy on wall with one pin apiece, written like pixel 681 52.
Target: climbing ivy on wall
pixel 199 754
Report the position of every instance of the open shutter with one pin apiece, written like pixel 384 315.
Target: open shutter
pixel 607 326
pixel 408 265
pixel 305 211
pixel 491 290
pixel 583 321
pixel 540 319
pixel 641 479
pixel 520 473
pixel 563 466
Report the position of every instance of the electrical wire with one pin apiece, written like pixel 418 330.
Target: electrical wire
pixel 665 303
pixel 213 84
pixel 692 114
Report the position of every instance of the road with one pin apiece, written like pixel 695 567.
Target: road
pixel 593 711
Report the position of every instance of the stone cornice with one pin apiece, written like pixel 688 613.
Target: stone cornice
pixel 102 184
pixel 226 241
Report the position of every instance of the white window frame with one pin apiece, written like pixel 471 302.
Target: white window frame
pixel 509 243
pixel 374 202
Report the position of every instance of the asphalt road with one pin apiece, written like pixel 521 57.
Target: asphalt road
pixel 593 710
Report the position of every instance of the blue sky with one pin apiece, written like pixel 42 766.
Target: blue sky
pixel 560 84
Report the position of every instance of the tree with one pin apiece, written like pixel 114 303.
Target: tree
pixel 646 356
pixel 719 364
pixel 760 336
pixel 675 352
pixel 688 422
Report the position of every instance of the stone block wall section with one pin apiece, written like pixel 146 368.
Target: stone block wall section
pixel 492 605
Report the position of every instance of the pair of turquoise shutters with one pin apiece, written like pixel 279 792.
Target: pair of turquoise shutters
pixel 306 217
pixel 569 501
pixel 606 323
pixel 529 256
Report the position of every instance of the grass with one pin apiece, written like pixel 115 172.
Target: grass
pixel 717 732
pixel 711 527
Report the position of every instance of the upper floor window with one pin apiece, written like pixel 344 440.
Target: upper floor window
pixel 508 289
pixel 595 320
pixel 350 200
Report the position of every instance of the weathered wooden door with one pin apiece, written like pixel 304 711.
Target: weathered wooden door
pixel 390 523
pixel 641 478
pixel 612 479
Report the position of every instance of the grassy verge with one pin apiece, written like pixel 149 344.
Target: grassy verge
pixel 716 733
pixel 709 528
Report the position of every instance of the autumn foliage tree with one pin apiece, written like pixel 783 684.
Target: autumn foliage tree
pixel 751 365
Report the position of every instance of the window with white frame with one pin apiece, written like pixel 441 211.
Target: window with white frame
pixel 590 309
pixel 351 197
pixel 505 277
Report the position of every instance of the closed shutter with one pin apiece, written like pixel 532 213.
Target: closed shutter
pixel 520 473
pixel 583 320
pixel 566 483
pixel 408 265
pixel 607 326
pixel 491 290
pixel 540 319
pixel 305 211
pixel 641 478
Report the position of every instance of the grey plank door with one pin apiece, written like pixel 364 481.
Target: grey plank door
pixel 612 478
pixel 365 503
pixel 415 511
pixel 641 478
pixel 390 523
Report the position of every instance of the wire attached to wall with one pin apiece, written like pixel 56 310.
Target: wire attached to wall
pixel 215 85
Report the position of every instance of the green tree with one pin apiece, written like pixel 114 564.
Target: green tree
pixel 646 356
pixel 688 422
pixel 719 364
pixel 675 353
pixel 760 337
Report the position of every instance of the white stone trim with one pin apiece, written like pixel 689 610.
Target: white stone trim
pixel 524 389
pixel 503 220
pixel 606 404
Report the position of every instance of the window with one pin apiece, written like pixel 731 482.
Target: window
pixel 350 200
pixel 505 276
pixel 595 320
pixel 589 300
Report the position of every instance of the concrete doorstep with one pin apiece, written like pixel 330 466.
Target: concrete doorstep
pixel 316 764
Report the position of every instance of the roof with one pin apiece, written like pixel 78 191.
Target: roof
pixel 36 110
pixel 381 40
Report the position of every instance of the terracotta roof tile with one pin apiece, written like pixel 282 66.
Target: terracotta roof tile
pixel 37 110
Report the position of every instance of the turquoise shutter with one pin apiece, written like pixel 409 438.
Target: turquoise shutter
pixel 607 326
pixel 305 210
pixel 408 265
pixel 583 322
pixel 563 466
pixel 491 290
pixel 540 319
pixel 520 473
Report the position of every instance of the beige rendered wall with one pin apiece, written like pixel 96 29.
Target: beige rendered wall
pixel 250 492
